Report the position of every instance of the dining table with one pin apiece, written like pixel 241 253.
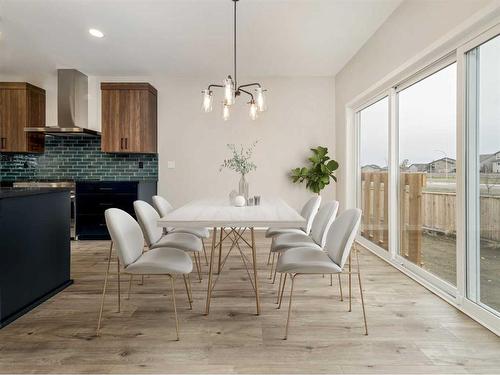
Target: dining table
pixel 231 223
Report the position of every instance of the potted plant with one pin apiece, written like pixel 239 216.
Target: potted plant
pixel 241 163
pixel 319 172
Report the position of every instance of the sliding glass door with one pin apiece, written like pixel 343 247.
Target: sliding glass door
pixel 427 172
pixel 373 125
pixel 483 174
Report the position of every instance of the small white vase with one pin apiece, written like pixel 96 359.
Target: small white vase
pixel 239 201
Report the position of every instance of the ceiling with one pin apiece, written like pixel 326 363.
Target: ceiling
pixel 186 37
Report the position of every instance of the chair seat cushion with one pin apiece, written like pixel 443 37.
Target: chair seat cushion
pixel 288 240
pixel 306 260
pixel 198 232
pixel 181 241
pixel 271 232
pixel 160 261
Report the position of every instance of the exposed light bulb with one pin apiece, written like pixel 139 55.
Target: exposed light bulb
pixel 229 91
pixel 96 33
pixel 253 110
pixel 207 100
pixel 225 112
pixel 261 99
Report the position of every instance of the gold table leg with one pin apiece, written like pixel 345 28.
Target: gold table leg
pixel 210 271
pixel 255 279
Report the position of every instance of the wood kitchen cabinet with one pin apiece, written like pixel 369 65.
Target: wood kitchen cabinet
pixel 129 118
pixel 21 105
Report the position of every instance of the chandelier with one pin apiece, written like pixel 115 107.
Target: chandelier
pixel 232 90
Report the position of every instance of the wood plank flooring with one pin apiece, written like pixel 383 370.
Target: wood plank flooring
pixel 411 330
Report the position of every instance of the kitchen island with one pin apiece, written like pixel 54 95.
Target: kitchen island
pixel 34 248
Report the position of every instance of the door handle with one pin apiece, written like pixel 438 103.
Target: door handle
pixel 121 143
pixel 126 143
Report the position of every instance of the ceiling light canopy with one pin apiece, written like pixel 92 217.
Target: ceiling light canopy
pixel 96 33
pixel 231 90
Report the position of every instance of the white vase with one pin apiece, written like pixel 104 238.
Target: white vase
pixel 243 187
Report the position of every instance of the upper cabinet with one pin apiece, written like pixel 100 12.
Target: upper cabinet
pixel 129 118
pixel 21 105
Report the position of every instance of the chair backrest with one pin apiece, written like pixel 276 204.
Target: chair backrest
pixel 323 221
pixel 309 211
pixel 162 205
pixel 126 235
pixel 341 235
pixel 148 220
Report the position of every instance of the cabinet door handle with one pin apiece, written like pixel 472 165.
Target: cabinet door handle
pixel 126 143
pixel 121 143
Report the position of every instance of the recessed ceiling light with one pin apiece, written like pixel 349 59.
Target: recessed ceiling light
pixel 96 33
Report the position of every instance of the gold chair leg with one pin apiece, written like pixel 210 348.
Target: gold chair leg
pixel 190 287
pixel 172 282
pixel 220 250
pixel 274 277
pixel 187 292
pixel 279 288
pixel 272 266
pixel 141 280
pixel 104 290
pixel 204 252
pixel 350 284
pixel 282 290
pixel 340 287
pixel 119 283
pixel 269 257
pixel 129 287
pixel 361 293
pixel 197 263
pixel 289 307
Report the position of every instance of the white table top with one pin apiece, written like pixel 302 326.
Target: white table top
pixel 219 213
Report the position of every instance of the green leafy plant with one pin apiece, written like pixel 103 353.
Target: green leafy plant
pixel 241 160
pixel 318 174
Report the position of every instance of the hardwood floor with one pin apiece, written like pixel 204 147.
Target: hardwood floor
pixel 411 330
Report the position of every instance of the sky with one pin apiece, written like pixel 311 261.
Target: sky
pixel 427 115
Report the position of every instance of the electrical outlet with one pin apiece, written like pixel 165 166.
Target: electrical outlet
pixel 171 164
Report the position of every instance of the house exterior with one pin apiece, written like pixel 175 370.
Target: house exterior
pixel 418 167
pixel 490 163
pixel 371 168
pixel 443 165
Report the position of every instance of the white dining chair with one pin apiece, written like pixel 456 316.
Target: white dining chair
pixel 164 207
pixel 307 261
pixel 308 212
pixel 148 219
pixel 317 238
pixel 128 240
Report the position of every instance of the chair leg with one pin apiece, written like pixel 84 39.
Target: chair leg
pixel 220 251
pixel 289 307
pixel 361 293
pixel 269 257
pixel 331 279
pixel 172 282
pixel 197 262
pixel 279 288
pixel 274 277
pixel 272 266
pixel 104 290
pixel 282 290
pixel 340 287
pixel 129 287
pixel 119 283
pixel 350 284
pixel 187 292
pixel 205 252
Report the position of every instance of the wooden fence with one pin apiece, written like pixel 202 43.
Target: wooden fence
pixel 419 210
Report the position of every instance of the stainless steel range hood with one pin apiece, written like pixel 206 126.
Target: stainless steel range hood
pixel 72 106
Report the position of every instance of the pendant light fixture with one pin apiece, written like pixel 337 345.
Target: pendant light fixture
pixel 231 90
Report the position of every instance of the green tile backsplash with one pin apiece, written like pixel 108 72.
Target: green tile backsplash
pixel 77 158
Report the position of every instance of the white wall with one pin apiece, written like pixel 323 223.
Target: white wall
pixel 300 115
pixel 412 27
